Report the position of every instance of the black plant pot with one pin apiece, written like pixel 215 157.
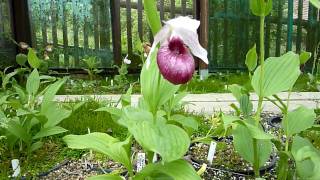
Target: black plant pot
pixel 275 121
pixel 236 173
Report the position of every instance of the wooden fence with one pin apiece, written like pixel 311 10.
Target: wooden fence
pixel 7 50
pixel 110 29
pixel 292 25
pixel 102 28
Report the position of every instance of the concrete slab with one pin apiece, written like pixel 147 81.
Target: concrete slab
pixel 210 103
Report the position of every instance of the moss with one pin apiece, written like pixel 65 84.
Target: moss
pixel 85 117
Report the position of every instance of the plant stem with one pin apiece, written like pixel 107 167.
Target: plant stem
pixel 256 158
pixel 259 109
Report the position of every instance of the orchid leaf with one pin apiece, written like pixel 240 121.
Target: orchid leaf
pixel 21 59
pixel 261 7
pixel 156 91
pixel 279 74
pixel 177 170
pixel 298 120
pixel 150 8
pixel 169 141
pixel 243 143
pixel 33 59
pixel 51 92
pixel 251 59
pixel 316 3
pixel 304 57
pixel 36 145
pixel 54 114
pixel 33 83
pixel 102 143
pixel 306 158
pixel 49 131
pixel 105 177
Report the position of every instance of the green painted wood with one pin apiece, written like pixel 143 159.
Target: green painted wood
pixel 290 25
pixel 279 28
pixel 237 30
pixel 299 26
pixel 225 34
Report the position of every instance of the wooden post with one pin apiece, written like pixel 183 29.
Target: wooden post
pixel 204 28
pixel 20 21
pixel 116 31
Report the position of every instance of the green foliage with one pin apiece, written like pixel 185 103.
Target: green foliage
pixel 316 3
pixel 261 7
pixel 102 143
pixel 150 7
pixel 243 143
pixel 21 59
pixel 307 158
pixel 172 170
pixel 26 122
pixel 304 57
pixel 91 67
pixel 156 91
pixel 149 125
pixel 251 59
pixel 298 120
pixel 279 74
pixel 33 60
pixel 169 141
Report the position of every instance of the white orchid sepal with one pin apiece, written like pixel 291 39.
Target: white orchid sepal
pixel 184 28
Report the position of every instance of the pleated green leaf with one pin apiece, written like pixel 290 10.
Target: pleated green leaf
pixel 177 170
pixel 279 74
pixel 298 120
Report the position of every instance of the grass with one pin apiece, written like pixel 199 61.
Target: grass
pixel 85 117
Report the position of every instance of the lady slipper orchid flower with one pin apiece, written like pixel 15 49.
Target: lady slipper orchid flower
pixel 178 38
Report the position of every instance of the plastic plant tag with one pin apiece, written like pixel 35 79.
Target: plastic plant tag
pixel 141 161
pixel 212 151
pixel 16 167
pixel 155 158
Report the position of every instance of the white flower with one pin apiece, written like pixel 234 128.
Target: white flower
pixel 185 29
pixel 126 60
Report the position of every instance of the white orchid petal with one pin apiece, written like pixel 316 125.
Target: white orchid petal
pixel 162 35
pixel 190 38
pixel 184 22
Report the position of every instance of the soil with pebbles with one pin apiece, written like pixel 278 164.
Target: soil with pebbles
pixel 225 165
pixel 80 169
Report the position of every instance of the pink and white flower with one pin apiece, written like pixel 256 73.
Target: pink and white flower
pixel 178 40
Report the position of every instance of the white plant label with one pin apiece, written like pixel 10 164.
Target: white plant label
pixel 16 167
pixel 155 158
pixel 141 161
pixel 212 151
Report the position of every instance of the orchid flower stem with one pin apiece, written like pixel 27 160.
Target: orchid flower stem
pixel 259 110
